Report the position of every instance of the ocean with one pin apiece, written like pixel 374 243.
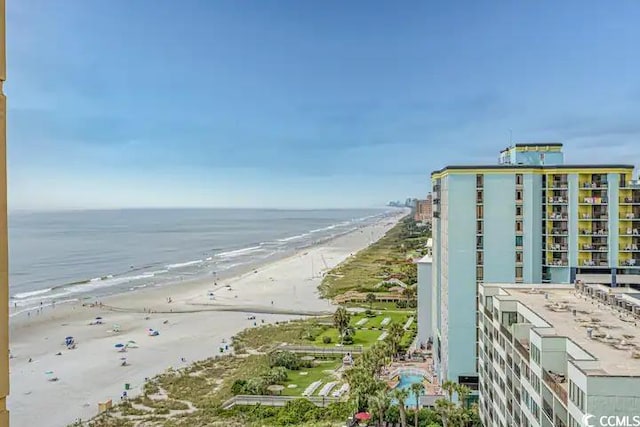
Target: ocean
pixel 65 256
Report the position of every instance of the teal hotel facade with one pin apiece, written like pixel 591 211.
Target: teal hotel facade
pixel 528 219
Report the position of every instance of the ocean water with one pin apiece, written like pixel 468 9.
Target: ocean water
pixel 58 256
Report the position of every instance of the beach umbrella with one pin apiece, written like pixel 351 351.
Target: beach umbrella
pixel 48 373
pixel 119 345
pixel 363 416
pixel 123 358
pixel 98 318
pixel 68 338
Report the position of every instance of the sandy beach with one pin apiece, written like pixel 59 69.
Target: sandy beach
pixel 192 326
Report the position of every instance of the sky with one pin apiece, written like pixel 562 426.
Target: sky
pixel 301 104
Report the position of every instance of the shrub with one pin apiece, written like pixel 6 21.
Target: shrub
pixel 369 313
pixel 347 340
pixel 276 375
pixel 239 387
pixel 401 304
pixel 285 359
pixel 256 386
pixel 326 340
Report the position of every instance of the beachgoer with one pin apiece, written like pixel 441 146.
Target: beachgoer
pixel 271 302
pixel 28 314
pixel 30 360
pixel 182 359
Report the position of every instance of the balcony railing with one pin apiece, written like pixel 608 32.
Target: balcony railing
pixel 629 231
pixel 556 386
pixel 506 332
pixel 629 248
pixel 547 409
pixel 629 200
pixel 488 313
pixel 558 263
pixel 524 351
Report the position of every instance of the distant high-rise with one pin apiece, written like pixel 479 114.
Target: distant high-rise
pixel 423 210
pixel 529 219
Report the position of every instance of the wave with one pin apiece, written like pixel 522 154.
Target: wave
pixel 23 295
pixel 183 264
pixel 296 237
pixel 238 252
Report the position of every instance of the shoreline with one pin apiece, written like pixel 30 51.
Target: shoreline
pixel 196 262
pixel 192 326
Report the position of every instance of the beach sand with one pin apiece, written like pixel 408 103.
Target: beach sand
pixel 192 326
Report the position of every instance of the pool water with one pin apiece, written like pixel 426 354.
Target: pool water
pixel 405 383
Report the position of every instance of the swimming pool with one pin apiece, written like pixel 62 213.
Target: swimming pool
pixel 405 382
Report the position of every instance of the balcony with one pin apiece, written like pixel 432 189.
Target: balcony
pixel 506 332
pixel 629 248
pixel 633 262
pixel 520 346
pixel 631 216
pixel 629 200
pixel 629 231
pixel 488 313
pixel 593 201
pixel 593 232
pixel 555 383
pixel 558 232
pixel 557 263
pixel 557 200
pixel 593 248
pixel 547 409
pixel 558 247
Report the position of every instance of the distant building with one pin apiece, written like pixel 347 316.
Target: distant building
pixel 424 210
pixel 555 355
pixel 528 219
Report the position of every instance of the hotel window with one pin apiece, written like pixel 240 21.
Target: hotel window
pixel 479 274
pixel 535 354
pixel 519 226
pixel 479 242
pixel 518 195
pixel 519 179
pixel 518 272
pixel 479 227
pixel 479 196
pixel 518 210
pixel 479 260
pixel 479 212
pixel 479 180
pixel 519 256
pixel 518 241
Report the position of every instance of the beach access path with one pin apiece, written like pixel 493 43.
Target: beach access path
pixel 192 326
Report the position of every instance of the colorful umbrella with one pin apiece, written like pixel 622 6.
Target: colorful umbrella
pixel 119 345
pixel 363 416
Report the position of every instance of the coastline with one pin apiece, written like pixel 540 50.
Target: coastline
pixel 192 326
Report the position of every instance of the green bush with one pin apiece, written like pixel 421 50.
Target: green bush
pixel 285 359
pixel 401 304
pixel 256 386
pixel 276 375
pixel 326 340
pixel 347 340
pixel 369 313
pixel 238 387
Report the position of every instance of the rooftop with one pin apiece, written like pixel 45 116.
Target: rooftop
pixel 538 167
pixel 615 333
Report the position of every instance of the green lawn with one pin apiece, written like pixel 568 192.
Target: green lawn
pixel 396 317
pixel 362 337
pixel 313 374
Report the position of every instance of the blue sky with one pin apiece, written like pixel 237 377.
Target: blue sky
pixel 304 104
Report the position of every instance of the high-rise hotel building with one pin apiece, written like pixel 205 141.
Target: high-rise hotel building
pixel 528 219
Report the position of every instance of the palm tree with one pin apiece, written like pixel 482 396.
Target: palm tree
pixel 379 402
pixel 341 320
pixel 395 333
pixel 417 389
pixel 463 393
pixel 401 396
pixel 445 408
pixel 371 298
pixel 449 387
